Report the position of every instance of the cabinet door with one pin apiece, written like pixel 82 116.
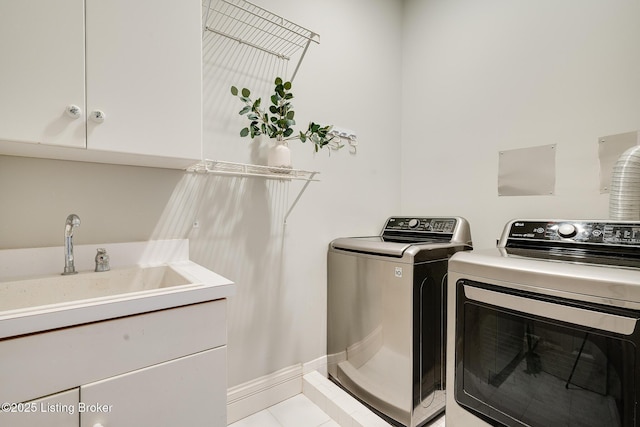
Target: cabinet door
pixel 57 410
pixel 144 72
pixel 42 71
pixel 190 391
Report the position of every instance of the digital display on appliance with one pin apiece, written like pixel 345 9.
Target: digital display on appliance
pixel 444 225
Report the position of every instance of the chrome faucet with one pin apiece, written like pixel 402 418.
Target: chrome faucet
pixel 72 222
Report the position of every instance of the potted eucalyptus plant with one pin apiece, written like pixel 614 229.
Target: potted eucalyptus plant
pixel 277 123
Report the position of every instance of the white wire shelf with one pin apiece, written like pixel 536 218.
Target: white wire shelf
pixel 248 24
pixel 218 167
pixel 245 170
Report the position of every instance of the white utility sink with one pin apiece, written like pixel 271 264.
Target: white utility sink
pixel 48 302
pixel 43 291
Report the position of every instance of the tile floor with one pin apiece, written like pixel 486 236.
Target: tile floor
pixel 298 411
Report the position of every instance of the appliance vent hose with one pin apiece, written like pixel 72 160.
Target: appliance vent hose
pixel 624 197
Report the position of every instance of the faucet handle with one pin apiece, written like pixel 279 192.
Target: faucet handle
pixel 102 260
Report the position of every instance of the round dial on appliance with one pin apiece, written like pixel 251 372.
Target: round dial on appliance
pixel 413 223
pixel 567 230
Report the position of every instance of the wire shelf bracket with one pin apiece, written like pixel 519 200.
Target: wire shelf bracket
pixel 217 167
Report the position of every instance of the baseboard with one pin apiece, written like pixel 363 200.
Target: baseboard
pixel 255 395
pixel 319 364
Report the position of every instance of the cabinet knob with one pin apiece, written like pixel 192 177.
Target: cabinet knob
pixel 97 116
pixel 73 111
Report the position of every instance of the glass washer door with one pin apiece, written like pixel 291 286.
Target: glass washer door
pixel 523 369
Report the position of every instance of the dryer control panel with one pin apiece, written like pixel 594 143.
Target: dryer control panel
pixel 606 233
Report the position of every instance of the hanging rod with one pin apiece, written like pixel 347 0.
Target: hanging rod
pixel 279 55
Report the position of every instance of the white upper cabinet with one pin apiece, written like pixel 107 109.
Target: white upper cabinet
pixel 144 73
pixel 42 71
pixel 141 69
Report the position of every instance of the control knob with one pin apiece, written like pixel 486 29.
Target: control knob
pixel 567 231
pixel 413 223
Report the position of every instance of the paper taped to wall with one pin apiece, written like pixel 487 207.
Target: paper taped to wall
pixel 527 171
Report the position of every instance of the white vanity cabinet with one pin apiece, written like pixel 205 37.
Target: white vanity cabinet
pixel 110 81
pixel 163 369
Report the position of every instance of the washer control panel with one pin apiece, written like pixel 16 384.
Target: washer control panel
pixel 592 232
pixel 421 224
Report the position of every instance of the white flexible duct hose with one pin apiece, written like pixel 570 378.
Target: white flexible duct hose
pixel 624 197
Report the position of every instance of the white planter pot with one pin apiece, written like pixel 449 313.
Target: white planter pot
pixel 279 156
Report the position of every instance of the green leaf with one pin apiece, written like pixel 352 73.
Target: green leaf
pixel 278 120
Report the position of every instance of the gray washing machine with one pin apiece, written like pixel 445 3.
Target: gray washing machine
pixel 386 323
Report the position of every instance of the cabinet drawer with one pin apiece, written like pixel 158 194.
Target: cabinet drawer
pixel 41 364
pixel 190 391
pixel 58 410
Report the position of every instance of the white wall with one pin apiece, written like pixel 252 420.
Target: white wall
pixel 484 76
pixel 115 203
pixel 350 80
